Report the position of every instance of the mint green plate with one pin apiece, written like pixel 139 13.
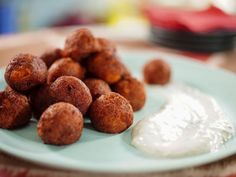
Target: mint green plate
pixel 99 152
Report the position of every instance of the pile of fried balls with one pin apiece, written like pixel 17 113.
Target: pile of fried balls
pixel 59 88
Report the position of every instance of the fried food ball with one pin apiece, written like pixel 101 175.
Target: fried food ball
pixel 51 55
pixel 111 113
pixel 60 124
pixel 71 90
pixel 15 109
pixel 126 72
pixel 80 44
pixel 40 100
pixel 157 71
pixel 106 66
pixel 65 67
pixel 25 71
pixel 133 90
pixel 97 87
pixel 106 45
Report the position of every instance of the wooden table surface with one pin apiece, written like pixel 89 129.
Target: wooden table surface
pixel 37 42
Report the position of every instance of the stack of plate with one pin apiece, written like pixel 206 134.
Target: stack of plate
pixel 196 42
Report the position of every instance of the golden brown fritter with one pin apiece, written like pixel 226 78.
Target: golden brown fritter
pixel 15 110
pixel 58 97
pixel 65 67
pixel 71 90
pixel 106 66
pixel 25 71
pixel 126 72
pixel 80 44
pixel 51 55
pixel 60 124
pixel 157 71
pixel 40 100
pixel 97 87
pixel 111 113
pixel 106 45
pixel 133 90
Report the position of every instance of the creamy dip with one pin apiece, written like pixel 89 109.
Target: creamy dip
pixel 190 123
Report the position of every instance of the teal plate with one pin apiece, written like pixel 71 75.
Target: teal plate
pixel 99 152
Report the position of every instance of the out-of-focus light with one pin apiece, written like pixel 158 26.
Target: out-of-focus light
pixel 183 4
pixel 124 12
pixel 8 21
pixel 228 6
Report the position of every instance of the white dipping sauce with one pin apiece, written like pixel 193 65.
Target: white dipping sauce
pixel 190 123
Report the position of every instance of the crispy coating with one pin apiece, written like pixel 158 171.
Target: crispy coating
pixel 157 71
pixel 106 66
pixel 97 87
pixel 133 90
pixel 126 72
pixel 111 113
pixel 106 45
pixel 40 100
pixel 71 90
pixel 60 124
pixel 65 67
pixel 15 110
pixel 25 71
pixel 80 44
pixel 51 55
pixel 7 88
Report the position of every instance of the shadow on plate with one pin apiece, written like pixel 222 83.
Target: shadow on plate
pixel 90 134
pixel 28 132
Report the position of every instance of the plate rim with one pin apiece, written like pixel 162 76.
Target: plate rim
pixel 15 151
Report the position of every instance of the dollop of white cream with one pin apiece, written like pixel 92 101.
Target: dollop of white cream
pixel 190 123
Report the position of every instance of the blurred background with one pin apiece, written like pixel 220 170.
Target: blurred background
pixel 195 26
pixel 25 15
